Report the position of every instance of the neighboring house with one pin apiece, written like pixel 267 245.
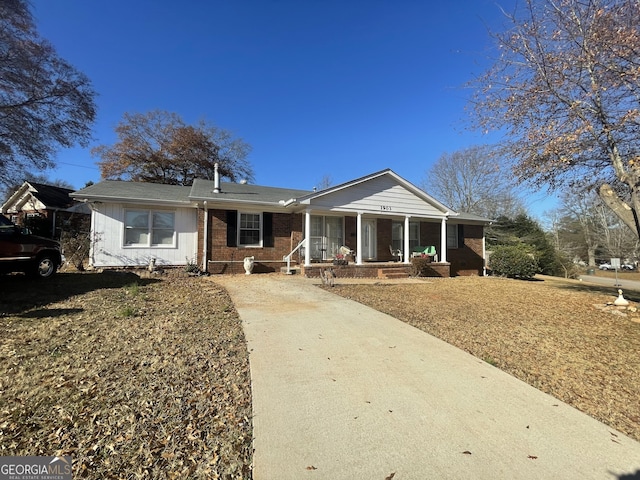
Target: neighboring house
pixel 46 209
pixel 217 224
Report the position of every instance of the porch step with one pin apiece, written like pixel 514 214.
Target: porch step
pixel 393 273
pixel 293 270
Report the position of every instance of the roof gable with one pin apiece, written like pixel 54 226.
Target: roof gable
pixel 38 196
pixel 381 192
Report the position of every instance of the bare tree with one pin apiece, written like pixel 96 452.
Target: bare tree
pixel 582 209
pixel 565 91
pixel 45 103
pixel 473 181
pixel 159 147
pixel 325 182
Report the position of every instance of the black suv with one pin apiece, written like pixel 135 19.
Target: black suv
pixel 22 252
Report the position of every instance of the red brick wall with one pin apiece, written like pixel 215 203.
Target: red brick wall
pixel 466 260
pixel 287 232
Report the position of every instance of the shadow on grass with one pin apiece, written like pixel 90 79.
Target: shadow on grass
pixel 21 293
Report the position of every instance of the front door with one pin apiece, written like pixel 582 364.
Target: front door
pixel 369 245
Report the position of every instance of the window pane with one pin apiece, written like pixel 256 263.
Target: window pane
pixel 162 228
pixel 162 220
pixel 397 230
pixel 249 229
pixel 137 219
pixel 136 236
pixel 249 237
pixel 452 236
pixel 136 224
pixel 162 237
pixel 414 234
pixel 316 226
pixel 334 234
pixel 249 220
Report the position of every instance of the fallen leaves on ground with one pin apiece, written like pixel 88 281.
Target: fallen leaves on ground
pixel 133 378
pixel 546 333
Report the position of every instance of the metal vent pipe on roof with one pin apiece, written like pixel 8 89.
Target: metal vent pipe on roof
pixel 216 178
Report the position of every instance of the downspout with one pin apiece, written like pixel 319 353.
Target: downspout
pixel 205 239
pixel 92 232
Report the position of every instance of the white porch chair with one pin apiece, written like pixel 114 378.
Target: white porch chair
pixel 395 253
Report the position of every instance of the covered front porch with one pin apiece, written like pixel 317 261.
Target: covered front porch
pixel 370 238
pixel 381 270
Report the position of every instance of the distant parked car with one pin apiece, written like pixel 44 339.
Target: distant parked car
pixel 606 266
pixel 22 252
pixel 627 266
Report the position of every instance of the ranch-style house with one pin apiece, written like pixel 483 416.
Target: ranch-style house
pixel 369 226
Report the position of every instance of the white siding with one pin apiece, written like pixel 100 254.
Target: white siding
pixel 381 195
pixel 108 235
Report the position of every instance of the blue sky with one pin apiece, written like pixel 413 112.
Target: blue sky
pixel 337 88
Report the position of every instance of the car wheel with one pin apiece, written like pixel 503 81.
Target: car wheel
pixel 45 267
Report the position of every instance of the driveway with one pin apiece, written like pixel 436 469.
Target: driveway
pixel 341 391
pixel 611 282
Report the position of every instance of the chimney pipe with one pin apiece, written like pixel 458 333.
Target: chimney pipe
pixel 216 178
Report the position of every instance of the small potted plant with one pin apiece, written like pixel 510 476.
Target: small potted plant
pixel 340 260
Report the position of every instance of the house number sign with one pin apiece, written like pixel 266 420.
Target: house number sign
pixel 385 208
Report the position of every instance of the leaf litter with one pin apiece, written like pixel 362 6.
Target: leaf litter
pixel 162 392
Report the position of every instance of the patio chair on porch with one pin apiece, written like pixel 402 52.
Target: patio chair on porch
pixel 396 253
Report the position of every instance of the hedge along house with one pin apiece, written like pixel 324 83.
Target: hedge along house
pixel 217 224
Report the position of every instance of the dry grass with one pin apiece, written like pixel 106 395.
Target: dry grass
pixel 551 334
pixel 133 378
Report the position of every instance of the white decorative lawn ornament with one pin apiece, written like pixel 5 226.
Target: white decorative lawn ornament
pixel 248 265
pixel 621 301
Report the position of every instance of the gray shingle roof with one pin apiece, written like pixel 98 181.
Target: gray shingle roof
pixel 52 196
pixel 119 190
pixel 201 190
pixel 237 192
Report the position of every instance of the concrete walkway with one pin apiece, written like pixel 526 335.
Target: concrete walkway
pixel 341 391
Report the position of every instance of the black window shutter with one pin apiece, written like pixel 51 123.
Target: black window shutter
pixel 267 229
pixel 460 236
pixel 232 228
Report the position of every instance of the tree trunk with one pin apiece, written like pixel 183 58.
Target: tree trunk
pixel 620 208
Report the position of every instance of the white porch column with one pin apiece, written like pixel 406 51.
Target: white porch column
pixel 307 238
pixel 443 241
pixel 359 239
pixel 405 236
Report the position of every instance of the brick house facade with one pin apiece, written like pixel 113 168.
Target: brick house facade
pixel 217 224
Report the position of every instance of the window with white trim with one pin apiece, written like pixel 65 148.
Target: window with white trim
pixel 149 228
pixel 250 230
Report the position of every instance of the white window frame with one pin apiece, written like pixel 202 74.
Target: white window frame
pixel 260 231
pixel 150 229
